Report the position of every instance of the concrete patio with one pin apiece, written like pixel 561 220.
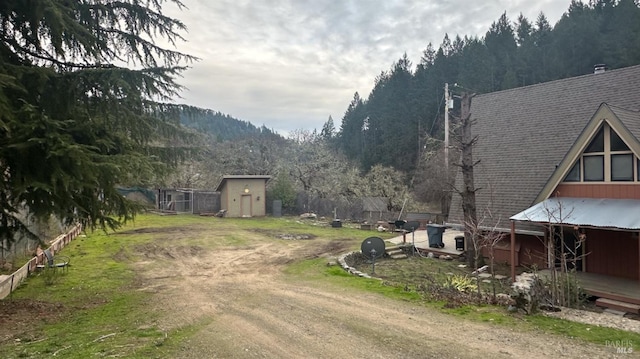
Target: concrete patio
pixel 420 240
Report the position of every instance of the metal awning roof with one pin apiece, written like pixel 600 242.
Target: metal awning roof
pixel 587 212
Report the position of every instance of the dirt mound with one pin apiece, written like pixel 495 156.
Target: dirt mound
pixel 154 251
pixel 17 318
pixel 169 233
pixel 287 236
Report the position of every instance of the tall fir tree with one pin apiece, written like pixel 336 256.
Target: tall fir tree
pixel 509 55
pixel 351 135
pixel 500 40
pixel 576 43
pixel 542 40
pixel 328 131
pixel 74 122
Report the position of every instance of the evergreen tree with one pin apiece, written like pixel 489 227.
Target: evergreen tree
pixel 525 55
pixel 428 57
pixel 542 40
pixel 445 64
pixel 501 43
pixel 351 137
pixel 392 122
pixel 427 94
pixel 328 130
pixel 73 122
pixel 576 42
pixel 476 67
pixel 620 31
pixel 509 55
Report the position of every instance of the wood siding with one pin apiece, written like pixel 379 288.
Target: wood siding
pixel 613 253
pixel 530 251
pixel 598 190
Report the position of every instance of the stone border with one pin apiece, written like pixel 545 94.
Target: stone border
pixel 348 257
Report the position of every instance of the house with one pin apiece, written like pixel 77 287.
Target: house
pixel 243 195
pixel 562 155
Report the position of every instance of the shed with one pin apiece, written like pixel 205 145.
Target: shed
pixel 243 195
pixel 374 208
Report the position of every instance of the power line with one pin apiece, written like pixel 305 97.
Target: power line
pixel 437 114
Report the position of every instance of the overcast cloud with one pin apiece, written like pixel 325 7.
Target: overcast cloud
pixel 289 64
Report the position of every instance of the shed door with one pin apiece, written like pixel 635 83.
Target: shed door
pixel 245 206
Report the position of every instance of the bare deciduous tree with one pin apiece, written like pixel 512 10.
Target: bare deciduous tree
pixel 563 255
pixel 465 142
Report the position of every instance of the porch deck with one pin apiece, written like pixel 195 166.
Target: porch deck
pixel 604 286
pixel 421 241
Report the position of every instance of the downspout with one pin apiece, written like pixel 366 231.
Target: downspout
pixel 513 251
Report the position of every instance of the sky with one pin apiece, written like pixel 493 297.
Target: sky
pixel 290 64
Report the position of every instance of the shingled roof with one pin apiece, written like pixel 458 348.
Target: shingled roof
pixel 525 133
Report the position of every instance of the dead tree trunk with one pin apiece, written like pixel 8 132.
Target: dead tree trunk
pixel 468 192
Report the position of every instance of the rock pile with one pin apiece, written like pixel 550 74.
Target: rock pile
pixel 526 292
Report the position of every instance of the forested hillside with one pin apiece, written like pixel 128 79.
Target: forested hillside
pixel 390 143
pixel 392 127
pixel 217 125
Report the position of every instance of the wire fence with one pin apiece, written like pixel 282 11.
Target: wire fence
pixel 9 283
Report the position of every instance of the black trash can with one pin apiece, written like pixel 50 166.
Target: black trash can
pixel 336 223
pixel 460 243
pixel 434 232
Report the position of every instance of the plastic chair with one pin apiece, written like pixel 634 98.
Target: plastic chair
pixel 54 262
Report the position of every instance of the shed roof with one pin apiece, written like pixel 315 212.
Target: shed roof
pixel 524 133
pixel 239 177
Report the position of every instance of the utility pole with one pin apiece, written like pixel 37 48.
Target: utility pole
pixel 446 127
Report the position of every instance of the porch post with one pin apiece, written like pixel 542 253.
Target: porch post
pixel 513 251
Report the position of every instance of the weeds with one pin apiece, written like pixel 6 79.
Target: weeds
pixel 461 283
pixel 50 275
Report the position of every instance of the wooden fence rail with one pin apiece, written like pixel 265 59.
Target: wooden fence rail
pixel 9 283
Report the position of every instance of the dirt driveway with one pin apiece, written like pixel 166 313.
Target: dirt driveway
pixel 248 308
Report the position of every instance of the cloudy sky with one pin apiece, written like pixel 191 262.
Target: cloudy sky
pixel 290 64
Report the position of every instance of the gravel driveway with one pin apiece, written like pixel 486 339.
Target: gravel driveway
pixel 247 308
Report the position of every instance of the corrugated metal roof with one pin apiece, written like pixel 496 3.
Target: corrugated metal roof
pixel 589 212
